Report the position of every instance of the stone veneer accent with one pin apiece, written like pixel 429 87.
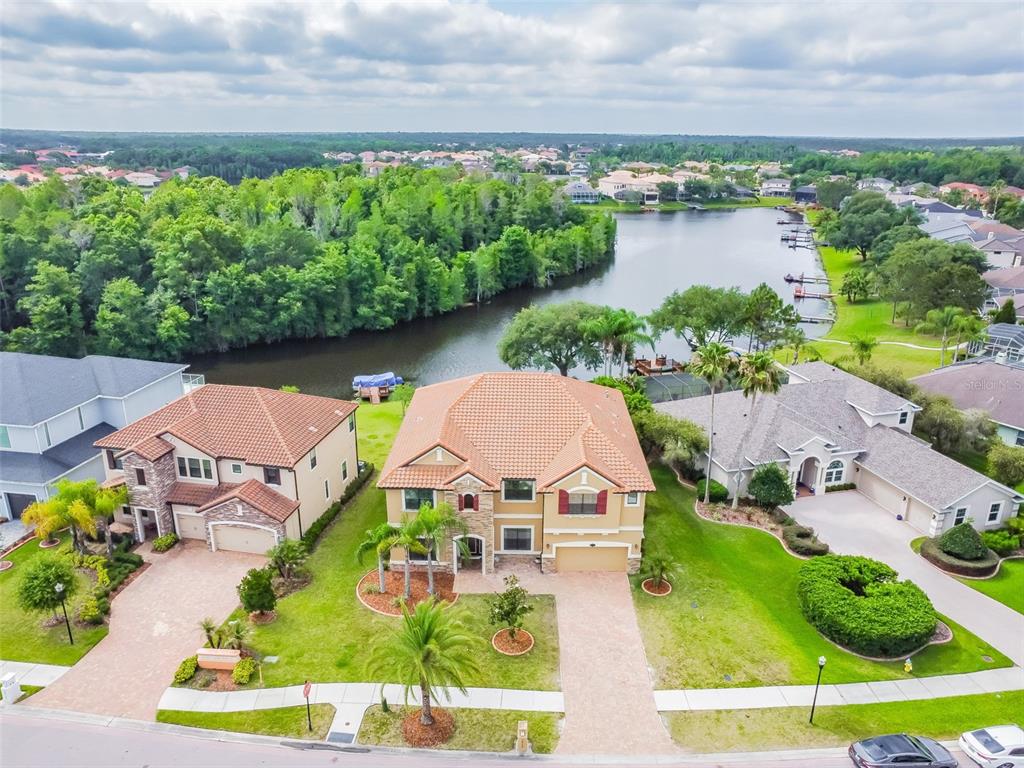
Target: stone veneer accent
pixel 237 511
pixel 160 476
pixel 478 521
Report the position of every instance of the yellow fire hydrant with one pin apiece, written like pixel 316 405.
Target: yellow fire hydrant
pixel 908 666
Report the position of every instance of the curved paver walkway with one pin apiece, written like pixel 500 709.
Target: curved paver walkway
pixel 609 700
pixel 852 524
pixel 154 624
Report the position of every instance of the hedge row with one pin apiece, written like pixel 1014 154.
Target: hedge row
pixel 719 492
pixel 316 530
pixel 840 487
pixel 931 552
pixel 858 603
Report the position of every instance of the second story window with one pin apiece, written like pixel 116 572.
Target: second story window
pixel 351 422
pixel 312 459
pixel 582 503
pixel 140 476
pixel 196 468
pixel 344 470
pixel 517 490
pixel 81 419
pixel 115 463
pixel 414 498
pixel 5 438
pixel 236 469
pixel 46 434
pixel 272 475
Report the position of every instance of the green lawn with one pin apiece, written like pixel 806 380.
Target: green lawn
pixel 739 730
pixel 323 633
pixel 484 730
pixel 22 637
pixel 287 722
pixel 734 611
pixel 1007 586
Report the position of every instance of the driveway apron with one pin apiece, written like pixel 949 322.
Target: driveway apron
pixel 852 524
pixel 609 700
pixel 154 624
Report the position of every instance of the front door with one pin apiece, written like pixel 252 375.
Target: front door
pixel 476 548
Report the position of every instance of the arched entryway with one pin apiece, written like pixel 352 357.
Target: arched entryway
pixel 475 543
pixel 807 477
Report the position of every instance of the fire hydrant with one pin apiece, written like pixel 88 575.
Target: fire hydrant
pixel 908 666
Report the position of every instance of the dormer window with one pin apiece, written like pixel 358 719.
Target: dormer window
pixel 517 490
pixel 904 415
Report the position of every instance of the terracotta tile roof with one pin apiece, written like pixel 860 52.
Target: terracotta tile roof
pixel 260 426
pixel 196 494
pixel 260 497
pixel 152 448
pixel 517 425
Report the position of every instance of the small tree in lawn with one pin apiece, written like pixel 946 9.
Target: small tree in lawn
pixel 214 638
pixel 256 591
pixel 403 393
pixel 510 607
pixel 379 540
pixel 287 556
pixel 770 486
pixel 37 588
pixel 657 568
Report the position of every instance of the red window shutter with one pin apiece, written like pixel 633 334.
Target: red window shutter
pixel 563 502
pixel 476 502
pixel 602 503
pixel 462 504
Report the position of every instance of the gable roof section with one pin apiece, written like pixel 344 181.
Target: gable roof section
pixel 259 496
pixel 38 387
pixel 517 425
pixel 1007 277
pixel 985 385
pixel 260 426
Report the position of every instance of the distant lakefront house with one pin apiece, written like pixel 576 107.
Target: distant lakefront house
pixel 541 468
pixel 52 410
pixel 983 385
pixel 827 428
pixel 876 184
pixel 806 194
pixel 775 188
pixel 240 468
pixel 581 192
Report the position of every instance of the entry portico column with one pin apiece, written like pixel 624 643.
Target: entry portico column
pixel 140 533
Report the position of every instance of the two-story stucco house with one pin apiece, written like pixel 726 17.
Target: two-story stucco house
pixel 52 410
pixel 830 428
pixel 239 467
pixel 540 467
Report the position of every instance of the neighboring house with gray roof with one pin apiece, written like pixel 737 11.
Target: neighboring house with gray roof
pixel 983 385
pixel 52 410
pixel 1003 343
pixel 828 427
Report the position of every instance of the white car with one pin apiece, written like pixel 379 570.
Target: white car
pixel 1000 746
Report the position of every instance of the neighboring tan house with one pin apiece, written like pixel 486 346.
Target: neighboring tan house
pixel 239 467
pixel 776 188
pixel 983 385
pixel 828 428
pixel 540 467
pixel 52 410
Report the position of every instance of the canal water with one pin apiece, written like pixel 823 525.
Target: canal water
pixel 656 253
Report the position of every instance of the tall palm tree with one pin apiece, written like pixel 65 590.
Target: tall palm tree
pixel 967 328
pixel 758 373
pixel 432 650
pixel 435 525
pixel 71 507
pixel 106 501
pixel 406 535
pixel 631 330
pixel 604 330
pixel 379 540
pixel 940 321
pixel 712 362
pixel 795 338
pixel 862 347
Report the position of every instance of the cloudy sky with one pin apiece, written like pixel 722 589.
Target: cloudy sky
pixel 801 68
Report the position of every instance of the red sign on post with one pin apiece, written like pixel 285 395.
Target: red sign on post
pixel 305 689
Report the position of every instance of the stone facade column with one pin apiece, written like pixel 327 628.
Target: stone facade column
pixel 479 522
pixel 160 476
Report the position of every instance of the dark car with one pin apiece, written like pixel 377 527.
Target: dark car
pixel 900 749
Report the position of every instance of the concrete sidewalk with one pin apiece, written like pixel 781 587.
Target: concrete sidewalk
pixel 27 673
pixel 914 689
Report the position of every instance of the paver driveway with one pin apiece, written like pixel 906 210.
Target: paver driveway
pixel 609 701
pixel 852 524
pixel 153 626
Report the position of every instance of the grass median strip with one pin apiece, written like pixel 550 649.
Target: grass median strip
pixel 737 730
pixel 484 730
pixel 286 722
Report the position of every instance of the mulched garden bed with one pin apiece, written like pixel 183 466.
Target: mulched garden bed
pixel 742 515
pixel 444 584
pixel 128 580
pixel 6 565
pixel 49 543
pixel 267 617
pixel 418 735
pixel 299 581
pixel 648 586
pixel 522 643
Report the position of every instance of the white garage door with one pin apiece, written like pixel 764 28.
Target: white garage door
pixel 242 538
pixel 191 526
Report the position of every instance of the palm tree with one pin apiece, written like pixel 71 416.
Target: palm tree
pixel 212 632
pixel 967 328
pixel 940 321
pixel 604 330
pixel 758 373
pixel 71 507
pixel 712 362
pixel 107 500
pixel 631 331
pixel 238 635
pixel 862 347
pixel 658 567
pixel 797 339
pixel 432 650
pixel 379 540
pixel 435 525
pixel 406 536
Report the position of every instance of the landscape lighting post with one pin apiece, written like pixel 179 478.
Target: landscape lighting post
pixel 59 589
pixel 814 701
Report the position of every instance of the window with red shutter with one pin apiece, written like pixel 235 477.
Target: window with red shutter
pixel 563 502
pixel 602 503
pixel 462 504
pixel 476 502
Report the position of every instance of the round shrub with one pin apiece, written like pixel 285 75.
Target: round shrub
pixel 165 542
pixel 256 591
pixel 186 670
pixel 802 541
pixel 931 551
pixel 719 492
pixel 243 671
pixel 858 603
pixel 963 542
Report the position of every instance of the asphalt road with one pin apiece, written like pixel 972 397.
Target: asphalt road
pixel 29 741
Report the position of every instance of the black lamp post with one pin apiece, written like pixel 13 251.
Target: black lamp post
pixel 814 701
pixel 59 589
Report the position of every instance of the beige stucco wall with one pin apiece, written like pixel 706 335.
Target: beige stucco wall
pixel 186 451
pixel 337 447
pixel 438 457
pixel 977 504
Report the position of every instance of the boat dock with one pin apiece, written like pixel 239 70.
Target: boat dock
pixel 799 292
pixel 802 278
pixel 645 367
pixel 816 319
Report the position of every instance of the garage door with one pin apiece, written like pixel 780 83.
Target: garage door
pixel 919 516
pixel 191 526
pixel 880 491
pixel 590 558
pixel 240 538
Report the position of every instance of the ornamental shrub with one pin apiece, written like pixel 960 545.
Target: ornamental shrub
pixel 1002 542
pixel 91 612
pixel 186 670
pixel 840 487
pixel 931 552
pixel 770 487
pixel 243 671
pixel 719 492
pixel 801 540
pixel 963 542
pixel 165 542
pixel 858 603
pixel 256 591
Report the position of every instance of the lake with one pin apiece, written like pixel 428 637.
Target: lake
pixel 656 253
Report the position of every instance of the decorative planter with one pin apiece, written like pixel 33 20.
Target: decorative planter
pixel 527 649
pixel 49 543
pixel 650 590
pixel 6 565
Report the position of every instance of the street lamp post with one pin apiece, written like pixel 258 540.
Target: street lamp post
pixel 59 589
pixel 814 701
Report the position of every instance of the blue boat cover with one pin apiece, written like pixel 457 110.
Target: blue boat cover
pixel 376 380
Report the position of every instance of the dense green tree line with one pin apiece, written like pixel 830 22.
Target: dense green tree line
pixel 973 166
pixel 202 265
